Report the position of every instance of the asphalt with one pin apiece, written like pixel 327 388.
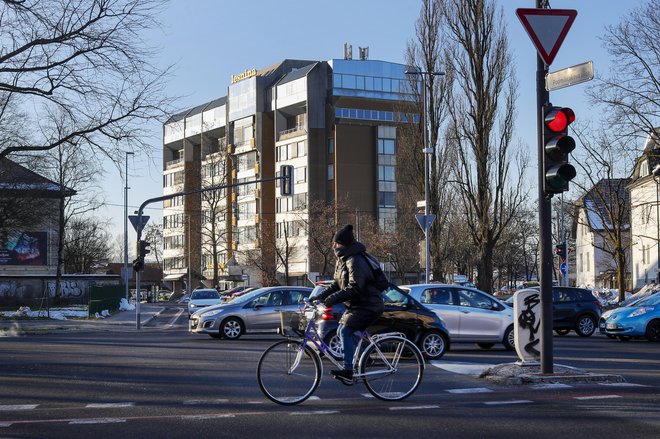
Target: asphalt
pixel 119 321
pixel 126 321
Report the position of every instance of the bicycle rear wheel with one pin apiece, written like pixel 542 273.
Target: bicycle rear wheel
pixel 392 368
pixel 287 374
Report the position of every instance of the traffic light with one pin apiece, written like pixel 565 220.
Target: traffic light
pixel 560 250
pixel 144 249
pixel 138 264
pixel 557 146
pixel 286 185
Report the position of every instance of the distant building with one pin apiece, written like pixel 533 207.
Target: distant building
pixel 29 220
pixel 644 205
pixel 336 122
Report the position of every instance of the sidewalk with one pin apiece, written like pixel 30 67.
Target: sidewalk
pixel 119 321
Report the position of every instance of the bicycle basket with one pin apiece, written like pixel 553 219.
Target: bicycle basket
pixel 294 323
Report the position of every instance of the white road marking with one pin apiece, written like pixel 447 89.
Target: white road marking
pixel 550 386
pixel 470 390
pixel 18 407
pixel 5 425
pixel 623 385
pixel 597 397
pixel 461 367
pixel 109 405
pixel 97 421
pixel 175 318
pixel 205 401
pixel 517 401
pixel 367 395
pixel 417 407
pixel 317 412
pixel 210 416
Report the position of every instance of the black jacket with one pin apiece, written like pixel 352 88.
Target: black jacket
pixel 353 285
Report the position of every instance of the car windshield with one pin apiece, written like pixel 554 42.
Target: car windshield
pixel 204 294
pixel 654 300
pixel 247 297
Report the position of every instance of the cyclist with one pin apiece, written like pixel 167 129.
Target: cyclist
pixel 353 285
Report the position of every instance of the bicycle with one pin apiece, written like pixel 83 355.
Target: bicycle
pixel 390 366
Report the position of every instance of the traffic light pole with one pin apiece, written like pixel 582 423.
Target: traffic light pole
pixel 545 223
pixel 285 177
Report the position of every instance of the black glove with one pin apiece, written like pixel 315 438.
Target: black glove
pixel 323 295
pixel 329 302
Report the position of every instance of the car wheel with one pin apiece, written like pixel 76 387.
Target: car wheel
pixel 653 331
pixel 509 340
pixel 433 345
pixel 586 325
pixel 624 337
pixel 334 343
pixel 231 328
pixel 485 345
pixel 562 332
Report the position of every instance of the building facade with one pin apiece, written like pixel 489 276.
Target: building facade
pixel 335 122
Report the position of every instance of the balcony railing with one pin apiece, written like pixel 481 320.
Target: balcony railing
pixel 173 163
pixel 292 132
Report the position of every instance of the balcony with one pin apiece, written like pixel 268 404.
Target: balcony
pixel 174 163
pixel 296 131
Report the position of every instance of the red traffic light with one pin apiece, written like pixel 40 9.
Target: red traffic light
pixel 558 119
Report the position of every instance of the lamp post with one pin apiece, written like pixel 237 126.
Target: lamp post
pixel 125 273
pixel 656 177
pixel 427 152
pixel 189 264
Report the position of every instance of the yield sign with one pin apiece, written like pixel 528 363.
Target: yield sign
pixel 134 220
pixel 547 28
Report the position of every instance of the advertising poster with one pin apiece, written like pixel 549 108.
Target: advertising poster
pixel 24 248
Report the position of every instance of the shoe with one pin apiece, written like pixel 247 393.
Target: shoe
pixel 346 376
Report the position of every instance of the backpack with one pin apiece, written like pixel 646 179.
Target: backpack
pixel 380 280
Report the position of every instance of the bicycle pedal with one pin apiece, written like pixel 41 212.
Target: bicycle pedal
pixel 344 381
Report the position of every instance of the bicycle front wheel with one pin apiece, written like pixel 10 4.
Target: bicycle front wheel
pixel 288 373
pixel 392 368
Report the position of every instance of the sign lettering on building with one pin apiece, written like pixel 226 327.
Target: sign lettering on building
pixel 246 74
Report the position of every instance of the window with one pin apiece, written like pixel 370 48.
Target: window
pixel 331 172
pixel 386 199
pixel 386 173
pixel 437 296
pixel 331 146
pixel 386 146
pixel 300 174
pixel 301 149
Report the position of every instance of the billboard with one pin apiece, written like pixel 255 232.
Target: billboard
pixel 24 248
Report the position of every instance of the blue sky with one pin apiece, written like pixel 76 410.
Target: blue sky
pixel 209 40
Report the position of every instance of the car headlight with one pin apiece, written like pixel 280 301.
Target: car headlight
pixel 191 305
pixel 211 313
pixel 639 312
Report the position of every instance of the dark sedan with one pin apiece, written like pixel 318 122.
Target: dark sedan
pixel 402 314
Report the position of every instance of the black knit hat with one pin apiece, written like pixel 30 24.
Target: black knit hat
pixel 345 235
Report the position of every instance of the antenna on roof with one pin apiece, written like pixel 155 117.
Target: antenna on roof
pixel 364 53
pixel 348 51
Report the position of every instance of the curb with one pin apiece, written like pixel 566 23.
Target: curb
pixel 514 373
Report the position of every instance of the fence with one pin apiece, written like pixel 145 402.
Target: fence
pixel 103 297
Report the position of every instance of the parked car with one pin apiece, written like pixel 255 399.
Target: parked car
pixel 201 298
pixel 573 309
pixel 470 314
pixel 606 315
pixel 255 312
pixel 235 292
pixel 639 320
pixel 401 313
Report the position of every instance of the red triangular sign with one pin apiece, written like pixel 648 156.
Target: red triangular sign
pixel 547 28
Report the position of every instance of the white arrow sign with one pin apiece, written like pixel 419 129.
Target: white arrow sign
pixel 547 28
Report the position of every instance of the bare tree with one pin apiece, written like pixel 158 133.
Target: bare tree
pixel 320 226
pixel 153 233
pixel 86 247
pixel 85 58
pixel 425 52
pixel 631 90
pixel 482 106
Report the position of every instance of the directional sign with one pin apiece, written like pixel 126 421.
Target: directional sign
pixel 134 220
pixel 562 267
pixel 547 28
pixel 569 76
pixel 425 221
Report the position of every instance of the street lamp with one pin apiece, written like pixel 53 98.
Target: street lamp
pixel 427 152
pixel 656 177
pixel 189 263
pixel 126 277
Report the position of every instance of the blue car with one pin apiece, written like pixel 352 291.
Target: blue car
pixel 640 320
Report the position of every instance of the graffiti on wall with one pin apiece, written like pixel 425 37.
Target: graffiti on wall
pixel 70 289
pixel 13 290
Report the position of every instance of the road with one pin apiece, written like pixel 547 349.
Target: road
pixel 165 382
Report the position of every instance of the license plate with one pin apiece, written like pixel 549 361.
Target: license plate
pixel 611 326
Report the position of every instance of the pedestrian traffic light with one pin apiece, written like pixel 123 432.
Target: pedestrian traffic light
pixel 557 145
pixel 560 250
pixel 286 183
pixel 144 249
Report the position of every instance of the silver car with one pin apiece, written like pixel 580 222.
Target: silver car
pixel 255 312
pixel 470 314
